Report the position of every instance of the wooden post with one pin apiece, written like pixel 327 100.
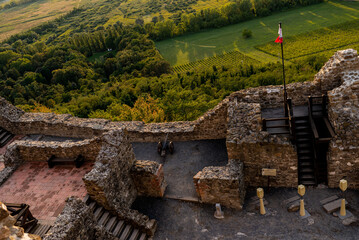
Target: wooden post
pixel 324 105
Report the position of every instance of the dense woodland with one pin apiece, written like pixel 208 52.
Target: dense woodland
pixel 43 70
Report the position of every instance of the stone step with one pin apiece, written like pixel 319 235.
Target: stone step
pixel 333 206
pixel 329 199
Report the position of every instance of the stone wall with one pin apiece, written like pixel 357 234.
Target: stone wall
pixel 224 185
pixel 76 221
pixel 29 150
pixel 343 155
pixel 257 149
pixel 148 177
pixel 8 231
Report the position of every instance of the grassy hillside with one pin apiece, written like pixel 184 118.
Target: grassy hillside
pixel 26 16
pixel 193 47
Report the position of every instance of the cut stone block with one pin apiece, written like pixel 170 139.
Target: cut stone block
pixel 329 199
pixel 333 206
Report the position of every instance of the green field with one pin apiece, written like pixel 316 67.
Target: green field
pixel 194 47
pixel 234 58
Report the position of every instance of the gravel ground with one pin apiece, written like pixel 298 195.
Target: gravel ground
pixel 186 220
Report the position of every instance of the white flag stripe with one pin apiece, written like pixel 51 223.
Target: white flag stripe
pixel 280 32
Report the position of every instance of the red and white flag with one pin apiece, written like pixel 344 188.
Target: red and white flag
pixel 280 37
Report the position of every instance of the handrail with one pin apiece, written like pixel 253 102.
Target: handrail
pixel 315 135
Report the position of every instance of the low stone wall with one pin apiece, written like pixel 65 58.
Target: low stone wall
pixel 29 150
pixel 8 231
pixel 148 177
pixel 222 185
pixel 343 154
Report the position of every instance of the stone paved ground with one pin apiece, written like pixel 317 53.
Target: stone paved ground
pixel 189 158
pixel 193 221
pixel 44 189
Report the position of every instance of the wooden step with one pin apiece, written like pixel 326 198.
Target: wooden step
pixel 92 206
pixel 120 225
pixel 300 128
pixel 306 170
pixel 98 213
pixel 303 133
pixel 306 176
pixel 103 220
pixel 305 152
pixel 6 139
pixel 143 236
pixel 126 232
pixel 329 199
pixel 305 164
pixel 307 182
pixel 111 223
pixel 134 235
pixel 304 140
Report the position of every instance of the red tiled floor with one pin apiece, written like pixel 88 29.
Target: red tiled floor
pixel 44 189
pixel 17 137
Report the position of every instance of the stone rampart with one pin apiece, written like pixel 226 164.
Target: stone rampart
pixel 148 177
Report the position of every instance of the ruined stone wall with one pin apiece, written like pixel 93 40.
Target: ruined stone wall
pixel 343 154
pixel 212 125
pixel 110 183
pixel 8 230
pixel 224 185
pixel 257 149
pixel 28 150
pixel 148 177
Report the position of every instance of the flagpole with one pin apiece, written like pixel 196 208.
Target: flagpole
pixel 285 89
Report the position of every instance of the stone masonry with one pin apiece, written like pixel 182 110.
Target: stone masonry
pixel 224 185
pixel 148 177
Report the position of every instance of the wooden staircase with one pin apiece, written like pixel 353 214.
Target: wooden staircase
pixel 118 227
pixel 305 152
pixel 5 137
pixel 39 229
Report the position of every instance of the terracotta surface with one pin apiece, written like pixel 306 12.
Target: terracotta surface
pixel 44 189
pixel 3 149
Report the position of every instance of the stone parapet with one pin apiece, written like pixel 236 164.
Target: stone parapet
pixel 222 185
pixel 148 177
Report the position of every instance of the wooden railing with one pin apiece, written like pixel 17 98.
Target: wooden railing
pixel 321 100
pixel 22 215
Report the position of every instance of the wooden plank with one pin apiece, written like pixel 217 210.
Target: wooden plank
pixel 329 199
pixel 126 232
pixel 290 200
pixel 143 236
pixel 104 218
pixel 134 234
pixel 118 228
pixel 333 206
pixel 111 223
pixel 269 172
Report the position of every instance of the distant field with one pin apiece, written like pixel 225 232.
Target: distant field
pixel 194 47
pixel 234 58
pixel 26 16
pixel 319 41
